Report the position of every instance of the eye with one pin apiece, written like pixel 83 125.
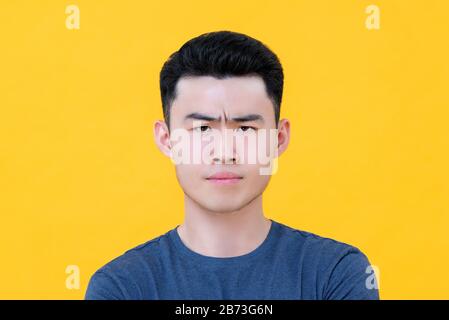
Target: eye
pixel 247 128
pixel 202 128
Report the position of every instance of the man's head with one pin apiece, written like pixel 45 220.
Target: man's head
pixel 227 85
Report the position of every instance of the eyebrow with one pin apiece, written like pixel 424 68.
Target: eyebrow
pixel 205 117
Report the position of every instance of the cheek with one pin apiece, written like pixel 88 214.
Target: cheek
pixel 189 175
pixel 254 179
pixel 257 148
pixel 201 149
pixel 246 148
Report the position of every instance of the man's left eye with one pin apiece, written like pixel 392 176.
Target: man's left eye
pixel 247 128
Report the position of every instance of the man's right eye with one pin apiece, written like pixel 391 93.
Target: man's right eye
pixel 202 128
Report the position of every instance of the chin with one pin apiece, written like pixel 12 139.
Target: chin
pixel 222 207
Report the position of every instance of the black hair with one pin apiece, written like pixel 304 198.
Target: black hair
pixel 222 54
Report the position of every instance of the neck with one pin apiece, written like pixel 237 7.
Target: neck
pixel 226 234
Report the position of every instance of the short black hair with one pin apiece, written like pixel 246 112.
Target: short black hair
pixel 222 54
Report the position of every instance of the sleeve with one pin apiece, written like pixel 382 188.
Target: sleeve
pixel 352 278
pixel 103 287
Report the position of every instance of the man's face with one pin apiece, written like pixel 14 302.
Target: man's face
pixel 219 127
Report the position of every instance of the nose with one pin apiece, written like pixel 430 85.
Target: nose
pixel 224 148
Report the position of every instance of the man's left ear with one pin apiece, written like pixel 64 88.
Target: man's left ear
pixel 283 135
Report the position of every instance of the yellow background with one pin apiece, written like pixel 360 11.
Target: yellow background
pixel 81 179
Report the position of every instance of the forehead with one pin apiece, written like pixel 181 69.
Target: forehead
pixel 231 96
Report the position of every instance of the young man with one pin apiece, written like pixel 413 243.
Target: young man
pixel 228 86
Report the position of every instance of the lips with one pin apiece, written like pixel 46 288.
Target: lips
pixel 224 177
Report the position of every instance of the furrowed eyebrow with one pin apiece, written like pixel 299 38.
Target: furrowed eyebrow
pixel 248 117
pixel 199 116
pixel 205 117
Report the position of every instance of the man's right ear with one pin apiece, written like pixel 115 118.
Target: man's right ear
pixel 162 137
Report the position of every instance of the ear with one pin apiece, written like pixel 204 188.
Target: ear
pixel 162 137
pixel 283 135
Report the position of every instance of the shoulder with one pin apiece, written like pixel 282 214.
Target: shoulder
pixel 312 243
pixel 121 277
pixel 342 270
pixel 135 257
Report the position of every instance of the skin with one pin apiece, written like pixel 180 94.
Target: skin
pixel 222 220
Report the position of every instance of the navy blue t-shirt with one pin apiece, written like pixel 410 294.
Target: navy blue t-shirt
pixel 289 264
